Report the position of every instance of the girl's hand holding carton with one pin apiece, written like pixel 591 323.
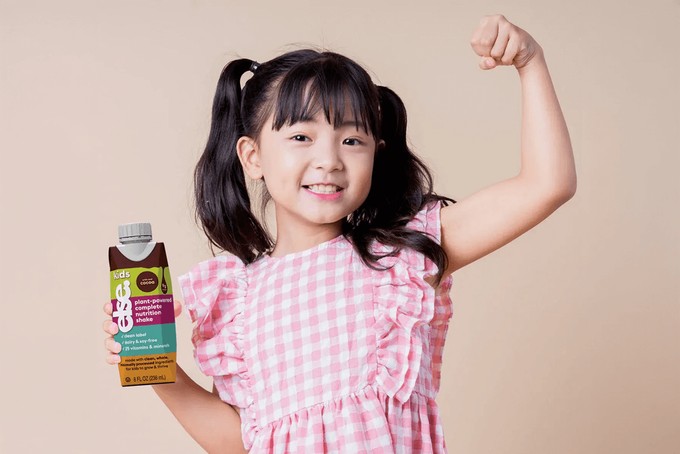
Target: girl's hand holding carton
pixel 112 329
pixel 212 423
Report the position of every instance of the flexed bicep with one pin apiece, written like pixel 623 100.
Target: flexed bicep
pixel 493 217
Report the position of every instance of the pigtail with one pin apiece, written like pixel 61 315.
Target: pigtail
pixel 401 186
pixel 222 200
pixel 398 163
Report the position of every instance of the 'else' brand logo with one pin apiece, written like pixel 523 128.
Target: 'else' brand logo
pixel 124 307
pixel 122 274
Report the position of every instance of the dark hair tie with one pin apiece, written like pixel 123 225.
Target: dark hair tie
pixel 253 66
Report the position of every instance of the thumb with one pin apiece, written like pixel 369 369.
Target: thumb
pixel 487 63
pixel 178 308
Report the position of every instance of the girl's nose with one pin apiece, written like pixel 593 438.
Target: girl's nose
pixel 327 157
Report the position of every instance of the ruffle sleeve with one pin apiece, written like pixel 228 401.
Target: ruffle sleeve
pixel 214 296
pixel 404 306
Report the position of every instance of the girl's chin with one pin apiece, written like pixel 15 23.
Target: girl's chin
pixel 325 217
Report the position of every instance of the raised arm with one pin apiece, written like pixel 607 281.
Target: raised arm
pixel 498 214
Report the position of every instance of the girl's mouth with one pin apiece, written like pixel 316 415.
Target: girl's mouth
pixel 323 188
pixel 324 192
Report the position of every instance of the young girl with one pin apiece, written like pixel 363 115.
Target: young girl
pixel 330 338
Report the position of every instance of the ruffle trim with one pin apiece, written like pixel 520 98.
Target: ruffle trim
pixel 368 420
pixel 404 302
pixel 214 297
pixel 404 306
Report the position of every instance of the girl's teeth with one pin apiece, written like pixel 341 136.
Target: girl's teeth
pixel 324 188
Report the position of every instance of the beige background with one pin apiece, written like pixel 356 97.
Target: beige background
pixel 565 341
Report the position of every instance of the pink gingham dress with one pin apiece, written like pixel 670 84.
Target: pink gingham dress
pixel 321 353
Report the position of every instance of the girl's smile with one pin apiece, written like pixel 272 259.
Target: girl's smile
pixel 333 194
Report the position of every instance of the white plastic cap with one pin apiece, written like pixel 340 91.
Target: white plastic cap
pixel 137 232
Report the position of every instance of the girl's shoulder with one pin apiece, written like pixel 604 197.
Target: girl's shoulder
pixel 214 281
pixel 215 270
pixel 428 220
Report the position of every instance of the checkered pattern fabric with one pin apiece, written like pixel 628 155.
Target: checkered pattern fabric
pixel 322 353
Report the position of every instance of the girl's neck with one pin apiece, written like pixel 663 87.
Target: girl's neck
pixel 299 238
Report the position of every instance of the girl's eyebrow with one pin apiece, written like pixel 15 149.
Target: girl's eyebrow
pixel 354 124
pixel 345 124
pixel 342 125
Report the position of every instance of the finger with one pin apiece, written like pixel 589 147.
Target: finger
pixel 112 358
pixel 108 308
pixel 485 36
pixel 110 327
pixel 499 47
pixel 178 308
pixel 511 50
pixel 111 345
pixel 487 63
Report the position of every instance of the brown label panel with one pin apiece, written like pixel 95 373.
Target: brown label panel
pixel 157 258
pixel 147 369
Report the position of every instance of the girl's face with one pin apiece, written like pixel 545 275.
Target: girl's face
pixel 298 160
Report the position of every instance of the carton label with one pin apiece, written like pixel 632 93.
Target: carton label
pixel 141 296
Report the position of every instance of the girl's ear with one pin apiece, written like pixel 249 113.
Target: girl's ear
pixel 249 155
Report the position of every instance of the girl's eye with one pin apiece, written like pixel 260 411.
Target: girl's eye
pixel 352 142
pixel 300 138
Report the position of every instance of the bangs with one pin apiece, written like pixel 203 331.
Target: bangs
pixel 343 91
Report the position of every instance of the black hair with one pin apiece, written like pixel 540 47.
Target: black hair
pixel 293 87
